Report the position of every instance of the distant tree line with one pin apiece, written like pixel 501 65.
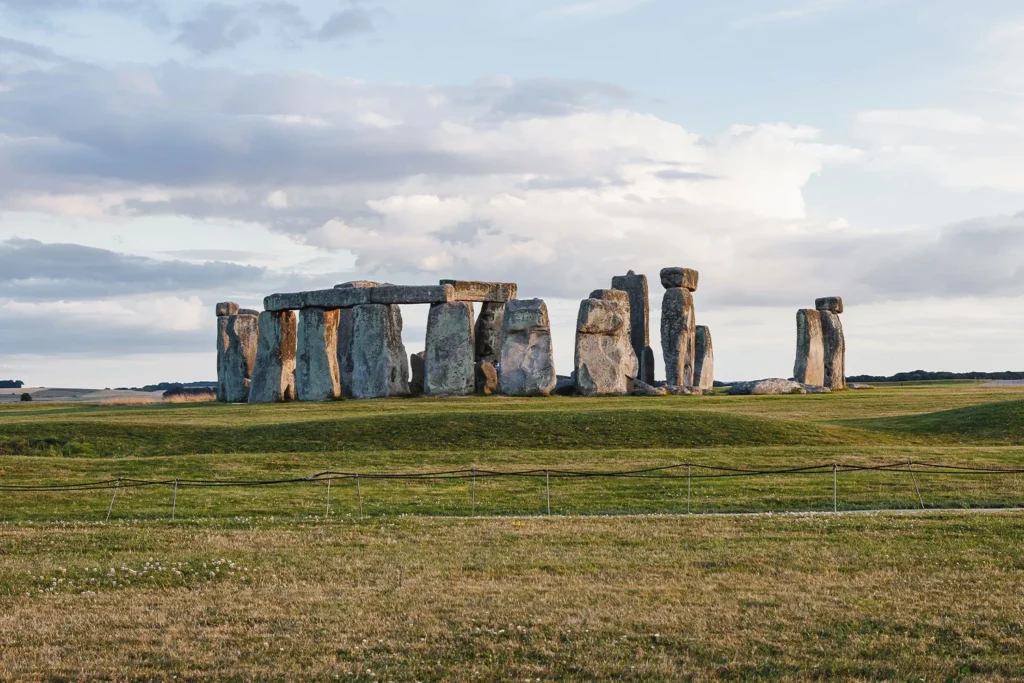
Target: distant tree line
pixel 11 384
pixel 169 386
pixel 924 376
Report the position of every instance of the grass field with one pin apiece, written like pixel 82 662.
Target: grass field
pixel 256 583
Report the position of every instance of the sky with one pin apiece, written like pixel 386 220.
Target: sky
pixel 157 157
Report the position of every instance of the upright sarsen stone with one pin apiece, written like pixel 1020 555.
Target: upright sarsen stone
pixel 809 367
pixel 224 310
pixel 316 364
pixel 678 336
pixel 635 286
pixel 380 366
pixel 704 359
pixel 240 355
pixel 416 366
pixel 605 363
pixel 835 350
pixel 273 375
pixel 487 333
pixel 449 354
pixel 527 358
pixel 345 337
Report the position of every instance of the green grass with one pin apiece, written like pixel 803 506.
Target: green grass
pixel 256 583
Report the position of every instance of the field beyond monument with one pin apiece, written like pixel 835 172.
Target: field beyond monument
pixel 619 582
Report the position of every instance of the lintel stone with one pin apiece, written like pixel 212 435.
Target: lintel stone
pixel 494 292
pixel 829 303
pixel 673 278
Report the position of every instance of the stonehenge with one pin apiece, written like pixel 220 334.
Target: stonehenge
pixel 346 342
pixel 605 363
pixel 527 365
pixel 821 345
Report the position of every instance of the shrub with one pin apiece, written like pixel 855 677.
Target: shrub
pixel 26 397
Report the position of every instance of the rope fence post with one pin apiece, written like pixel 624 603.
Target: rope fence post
pixel 359 492
pixel 913 477
pixel 111 507
pixel 688 486
pixel 835 487
pixel 174 499
pixel 327 512
pixel 547 488
pixel 472 494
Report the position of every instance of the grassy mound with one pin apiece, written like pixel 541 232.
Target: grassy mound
pixel 470 430
pixel 987 423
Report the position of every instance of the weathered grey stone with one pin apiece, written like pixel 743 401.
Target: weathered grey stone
pixel 678 336
pixel 645 389
pixel 610 295
pixel 816 389
pixel 635 287
pixel 704 359
pixel 835 350
pixel 605 364
pixel 448 357
pixel 766 387
pixel 248 311
pixel 380 366
pixel 671 278
pixel 412 294
pixel 809 367
pixel 357 284
pixel 222 347
pixel 340 297
pixel 240 356
pixel 829 303
pixel 283 302
pixel 527 358
pixel 647 365
pixel 316 364
pixel 676 390
pixel 226 308
pixel 859 387
pixel 487 332
pixel 273 375
pixel 495 292
pixel 564 386
pixel 486 377
pixel 416 365
pixel 353 295
pixel 345 362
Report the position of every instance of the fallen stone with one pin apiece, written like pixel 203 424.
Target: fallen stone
pixel 486 377
pixel 380 366
pixel 676 390
pixel 605 364
pixel 647 365
pixel 835 350
pixel 449 355
pixel 678 336
pixel 527 360
pixel 416 365
pixel 635 287
pixel 704 359
pixel 240 356
pixel 227 308
pixel 316 363
pixel 829 303
pixel 645 389
pixel 273 374
pixel 809 367
pixel 672 278
pixel 493 292
pixel 564 386
pixel 487 332
pixel 767 387
pixel 859 387
pixel 816 389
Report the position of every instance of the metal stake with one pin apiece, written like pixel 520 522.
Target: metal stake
pixel 174 499
pixel 328 511
pixel 835 488
pixel 547 488
pixel 359 491
pixel 687 489
pixel 473 494
pixel 910 466
pixel 116 485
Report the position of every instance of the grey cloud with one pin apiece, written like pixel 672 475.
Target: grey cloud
pixel 673 174
pixel 49 334
pixel 217 27
pixel 351 21
pixel 32 270
pixel 467 232
pixel 18 47
pixel 552 97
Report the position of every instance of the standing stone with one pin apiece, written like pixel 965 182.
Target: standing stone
pixel 647 365
pixel 639 318
pixel 345 338
pixel 224 311
pixel 678 336
pixel 810 348
pixel 448 357
pixel 316 364
pixel 416 365
pixel 240 355
pixel 673 278
pixel 273 376
pixel 486 377
pixel 704 363
pixel 835 350
pixel 527 358
pixel 829 303
pixel 380 366
pixel 488 332
pixel 605 363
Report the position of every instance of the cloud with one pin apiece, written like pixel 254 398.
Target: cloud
pixel 217 27
pixel 351 21
pixel 30 50
pixel 791 13
pixel 33 271
pixel 594 8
